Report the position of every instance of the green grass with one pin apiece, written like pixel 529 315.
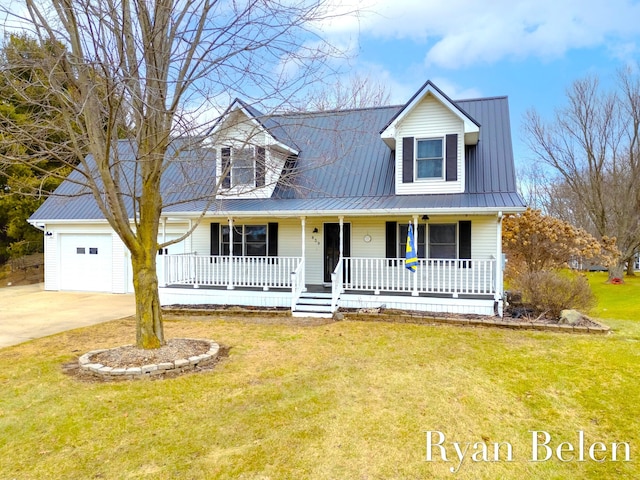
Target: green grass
pixel 349 400
pixel 620 302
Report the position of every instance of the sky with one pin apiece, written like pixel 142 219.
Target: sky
pixel 529 50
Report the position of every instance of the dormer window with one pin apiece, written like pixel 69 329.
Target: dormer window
pixel 244 167
pixel 429 158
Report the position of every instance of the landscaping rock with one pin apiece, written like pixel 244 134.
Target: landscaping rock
pixel 570 317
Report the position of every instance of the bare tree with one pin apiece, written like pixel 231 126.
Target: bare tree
pixel 356 91
pixel 144 70
pixel 593 145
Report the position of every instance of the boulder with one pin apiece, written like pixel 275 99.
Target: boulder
pixel 570 317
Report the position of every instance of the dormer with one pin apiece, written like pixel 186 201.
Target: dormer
pixel 251 155
pixel 429 135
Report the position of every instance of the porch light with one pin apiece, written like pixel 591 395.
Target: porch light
pixel 315 230
pixel 425 217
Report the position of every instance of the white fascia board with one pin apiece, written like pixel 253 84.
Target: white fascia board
pixel 471 130
pixel 358 213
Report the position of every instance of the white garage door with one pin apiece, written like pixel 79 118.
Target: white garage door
pixel 85 262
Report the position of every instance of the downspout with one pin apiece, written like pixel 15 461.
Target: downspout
pixel 303 222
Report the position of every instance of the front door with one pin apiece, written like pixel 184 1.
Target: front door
pixel 332 246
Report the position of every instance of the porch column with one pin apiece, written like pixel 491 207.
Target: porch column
pixel 414 292
pixel 230 284
pixel 162 262
pixel 303 224
pixel 499 273
pixel 341 219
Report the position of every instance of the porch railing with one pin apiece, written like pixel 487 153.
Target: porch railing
pixel 337 283
pixel 230 272
pixel 432 276
pixel 297 284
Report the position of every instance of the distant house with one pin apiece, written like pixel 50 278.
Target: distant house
pixel 313 209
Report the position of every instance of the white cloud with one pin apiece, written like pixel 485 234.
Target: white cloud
pixel 464 32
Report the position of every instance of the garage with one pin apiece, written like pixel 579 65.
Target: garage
pixel 86 262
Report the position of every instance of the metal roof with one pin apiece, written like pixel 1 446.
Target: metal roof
pixel 343 166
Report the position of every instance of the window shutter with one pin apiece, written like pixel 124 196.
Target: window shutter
pixel 260 167
pixel 346 240
pixel 391 241
pixel 464 242
pixel 272 239
pixel 452 157
pixel 215 239
pixel 407 160
pixel 226 163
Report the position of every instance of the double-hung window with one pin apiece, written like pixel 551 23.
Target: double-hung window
pixel 248 240
pixel 243 167
pixel 443 241
pixel 429 158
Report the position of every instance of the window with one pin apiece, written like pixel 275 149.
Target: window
pixel 429 158
pixel 93 251
pixel 243 167
pixel 420 240
pixel 80 250
pixel 248 240
pixel 442 241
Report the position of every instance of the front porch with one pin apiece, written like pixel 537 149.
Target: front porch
pixel 438 285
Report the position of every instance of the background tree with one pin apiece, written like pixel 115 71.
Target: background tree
pixel 592 145
pixel 356 91
pixel 158 65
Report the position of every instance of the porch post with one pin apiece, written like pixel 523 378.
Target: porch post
pixel 341 236
pixel 303 224
pixel 230 284
pixel 499 273
pixel 414 293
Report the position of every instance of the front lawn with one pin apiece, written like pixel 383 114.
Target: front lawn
pixel 621 302
pixel 348 400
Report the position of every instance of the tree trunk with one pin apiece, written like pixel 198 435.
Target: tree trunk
pixel 149 330
pixel 616 271
pixel 631 272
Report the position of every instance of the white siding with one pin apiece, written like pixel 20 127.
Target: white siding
pixel 430 119
pixel 51 261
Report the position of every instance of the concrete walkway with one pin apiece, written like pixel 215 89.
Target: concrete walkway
pixel 28 312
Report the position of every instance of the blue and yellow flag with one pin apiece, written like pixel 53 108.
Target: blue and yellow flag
pixel 411 258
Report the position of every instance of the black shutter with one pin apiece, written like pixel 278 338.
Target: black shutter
pixel 407 160
pixel 452 157
pixel 260 167
pixel 346 240
pixel 391 233
pixel 464 245
pixel 215 239
pixel 226 171
pixel 272 236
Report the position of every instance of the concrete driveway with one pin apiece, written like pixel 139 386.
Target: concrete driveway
pixel 28 312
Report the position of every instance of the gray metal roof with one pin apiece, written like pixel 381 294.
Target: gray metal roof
pixel 343 166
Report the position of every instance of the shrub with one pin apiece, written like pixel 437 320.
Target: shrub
pixel 549 292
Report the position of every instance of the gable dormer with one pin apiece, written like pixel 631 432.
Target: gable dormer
pixel 428 136
pixel 252 155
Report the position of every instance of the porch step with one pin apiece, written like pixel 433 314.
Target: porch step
pixel 312 304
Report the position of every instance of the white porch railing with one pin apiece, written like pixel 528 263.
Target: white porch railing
pixel 230 272
pixel 433 276
pixel 337 284
pixel 297 284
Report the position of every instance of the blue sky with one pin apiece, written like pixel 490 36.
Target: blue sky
pixel 530 50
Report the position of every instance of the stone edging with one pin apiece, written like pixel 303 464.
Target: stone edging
pixel 474 322
pixel 152 370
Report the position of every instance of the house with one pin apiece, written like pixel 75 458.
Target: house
pixel 312 212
